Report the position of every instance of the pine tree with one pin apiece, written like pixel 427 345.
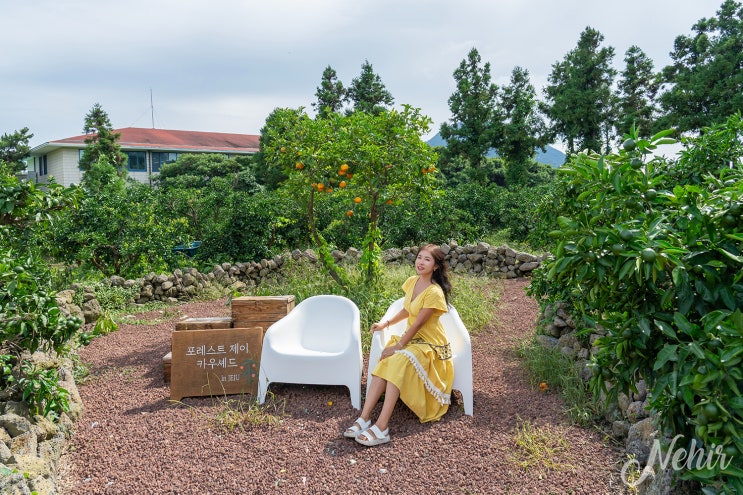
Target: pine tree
pixel 14 149
pixel 579 100
pixel 101 142
pixel 706 77
pixel 470 131
pixel 523 129
pixel 638 86
pixel 331 95
pixel 368 93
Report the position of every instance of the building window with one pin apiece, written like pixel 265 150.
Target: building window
pixel 161 158
pixel 137 161
pixel 41 166
pixel 79 157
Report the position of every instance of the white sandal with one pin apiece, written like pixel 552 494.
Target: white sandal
pixel 357 428
pixel 379 437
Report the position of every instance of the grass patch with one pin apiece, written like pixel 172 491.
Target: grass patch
pixel 539 447
pixel 475 299
pixel 245 413
pixel 551 371
pixel 129 317
pixel 473 296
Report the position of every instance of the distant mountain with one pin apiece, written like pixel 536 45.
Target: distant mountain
pixel 551 156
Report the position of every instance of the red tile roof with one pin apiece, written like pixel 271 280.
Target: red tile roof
pixel 169 140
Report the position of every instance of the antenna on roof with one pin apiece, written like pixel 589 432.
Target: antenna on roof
pixel 152 109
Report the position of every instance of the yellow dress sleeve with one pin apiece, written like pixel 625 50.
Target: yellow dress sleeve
pixel 434 298
pixel 409 284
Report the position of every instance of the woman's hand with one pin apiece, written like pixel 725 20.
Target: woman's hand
pixel 380 325
pixel 388 351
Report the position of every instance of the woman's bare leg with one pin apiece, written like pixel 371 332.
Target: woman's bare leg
pixel 378 385
pixel 391 394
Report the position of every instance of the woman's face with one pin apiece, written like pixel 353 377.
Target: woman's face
pixel 425 263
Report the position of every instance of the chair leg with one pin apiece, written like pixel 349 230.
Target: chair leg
pixel 467 399
pixel 262 387
pixel 355 391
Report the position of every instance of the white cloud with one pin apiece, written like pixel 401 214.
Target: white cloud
pixel 224 65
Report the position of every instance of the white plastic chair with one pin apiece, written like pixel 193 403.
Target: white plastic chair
pixel 319 343
pixel 456 333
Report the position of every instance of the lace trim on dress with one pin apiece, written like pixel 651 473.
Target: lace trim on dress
pixel 440 396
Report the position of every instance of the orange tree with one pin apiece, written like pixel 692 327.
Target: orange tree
pixel 650 254
pixel 369 162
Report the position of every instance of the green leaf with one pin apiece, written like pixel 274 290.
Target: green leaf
pixel 661 134
pixel 696 350
pixel 668 353
pixel 730 255
pixel 626 267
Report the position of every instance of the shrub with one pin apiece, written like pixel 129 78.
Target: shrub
pixel 656 263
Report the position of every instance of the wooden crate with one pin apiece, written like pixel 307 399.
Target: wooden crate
pixel 204 323
pixel 166 366
pixel 260 311
pixel 215 362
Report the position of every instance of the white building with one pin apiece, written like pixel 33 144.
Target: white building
pixel 146 149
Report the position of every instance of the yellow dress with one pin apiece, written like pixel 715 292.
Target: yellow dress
pixel 422 370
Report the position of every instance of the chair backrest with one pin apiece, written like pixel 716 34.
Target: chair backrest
pixel 327 322
pixel 456 333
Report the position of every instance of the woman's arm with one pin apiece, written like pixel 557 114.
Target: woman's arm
pixel 423 316
pixel 401 315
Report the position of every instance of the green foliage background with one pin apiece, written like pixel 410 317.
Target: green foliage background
pixel 650 255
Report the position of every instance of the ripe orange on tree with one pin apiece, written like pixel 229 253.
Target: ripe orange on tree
pixel 344 167
pixel 299 165
pixel 342 183
pixel 357 200
pixel 349 213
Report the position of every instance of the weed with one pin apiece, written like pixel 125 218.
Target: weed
pixel 549 369
pixel 539 447
pixel 632 474
pixel 246 413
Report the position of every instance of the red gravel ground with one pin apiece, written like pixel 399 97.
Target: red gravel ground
pixel 133 440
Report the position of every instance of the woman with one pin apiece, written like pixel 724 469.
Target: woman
pixel 415 367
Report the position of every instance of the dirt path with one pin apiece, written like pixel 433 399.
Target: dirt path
pixel 131 440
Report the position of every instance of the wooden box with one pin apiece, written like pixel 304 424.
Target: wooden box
pixel 215 362
pixel 204 323
pixel 260 311
pixel 166 366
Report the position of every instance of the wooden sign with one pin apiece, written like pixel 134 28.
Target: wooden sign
pixel 215 362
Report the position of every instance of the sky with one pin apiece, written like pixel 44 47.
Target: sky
pixel 225 65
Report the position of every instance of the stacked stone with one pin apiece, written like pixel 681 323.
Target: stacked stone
pixel 31 445
pixel 630 417
pixel 474 259
pixel 185 284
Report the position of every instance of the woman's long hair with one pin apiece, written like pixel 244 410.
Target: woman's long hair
pixel 440 273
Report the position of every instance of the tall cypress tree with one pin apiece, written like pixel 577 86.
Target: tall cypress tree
pixel 102 142
pixel 638 87
pixel 706 77
pixel 522 130
pixel 578 97
pixel 368 93
pixel 470 131
pixel 331 95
